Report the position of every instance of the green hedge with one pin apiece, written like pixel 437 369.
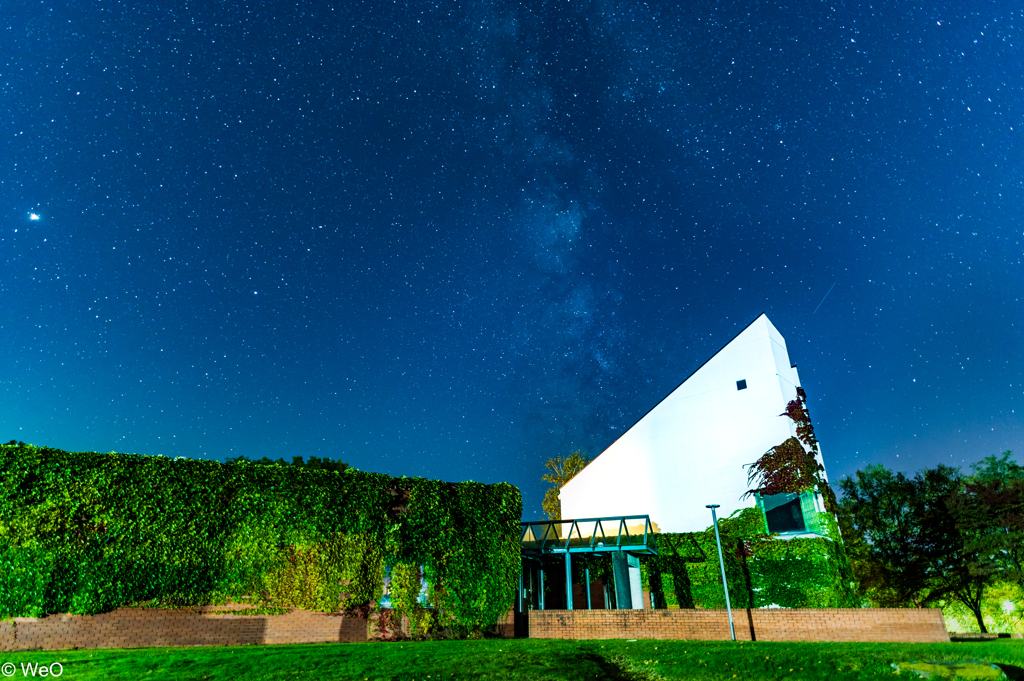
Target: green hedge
pixel 85 532
pixel 762 571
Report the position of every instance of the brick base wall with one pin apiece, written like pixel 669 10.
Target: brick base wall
pixel 140 628
pixel 862 624
pixel 506 628
pixel 145 627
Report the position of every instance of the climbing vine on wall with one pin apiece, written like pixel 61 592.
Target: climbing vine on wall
pixel 785 468
pixel 792 467
pixel 761 571
pixel 405 587
pixel 796 410
pixel 86 532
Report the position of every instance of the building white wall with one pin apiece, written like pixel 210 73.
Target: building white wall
pixel 689 451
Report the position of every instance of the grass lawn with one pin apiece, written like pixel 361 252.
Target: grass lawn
pixel 511 660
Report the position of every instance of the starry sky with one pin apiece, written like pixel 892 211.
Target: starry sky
pixel 455 239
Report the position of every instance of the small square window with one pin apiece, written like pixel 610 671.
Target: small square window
pixel 741 385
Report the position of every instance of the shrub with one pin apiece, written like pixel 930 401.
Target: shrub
pixel 85 532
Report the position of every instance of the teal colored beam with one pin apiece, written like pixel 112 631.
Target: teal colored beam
pixel 721 564
pixel 586 575
pixel 568 581
pixel 635 549
pixel 519 594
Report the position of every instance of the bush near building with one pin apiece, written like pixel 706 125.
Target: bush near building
pixel 87 532
pixel 762 571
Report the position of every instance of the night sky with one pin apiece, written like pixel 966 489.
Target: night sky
pixel 453 240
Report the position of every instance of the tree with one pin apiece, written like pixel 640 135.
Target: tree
pixel 957 568
pixel 997 468
pixel 877 514
pixel 990 510
pixel 905 544
pixel 560 471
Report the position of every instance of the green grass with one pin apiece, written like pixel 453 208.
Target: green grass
pixel 513 660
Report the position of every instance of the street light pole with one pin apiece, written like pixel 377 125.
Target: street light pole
pixel 721 564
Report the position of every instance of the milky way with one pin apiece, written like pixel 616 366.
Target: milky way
pixel 453 240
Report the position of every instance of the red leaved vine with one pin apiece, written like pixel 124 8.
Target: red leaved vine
pixel 789 468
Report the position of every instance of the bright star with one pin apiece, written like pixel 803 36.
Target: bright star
pixel 33 216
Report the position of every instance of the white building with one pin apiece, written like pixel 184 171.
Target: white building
pixel 691 448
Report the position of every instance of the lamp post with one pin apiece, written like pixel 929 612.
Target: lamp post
pixel 721 564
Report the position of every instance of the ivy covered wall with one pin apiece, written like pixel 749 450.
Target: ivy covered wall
pixel 762 571
pixel 86 532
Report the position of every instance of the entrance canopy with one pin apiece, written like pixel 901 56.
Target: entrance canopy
pixel 631 533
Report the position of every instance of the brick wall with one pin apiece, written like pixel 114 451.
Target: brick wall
pixel 142 628
pixel 139 628
pixel 862 624
pixel 506 628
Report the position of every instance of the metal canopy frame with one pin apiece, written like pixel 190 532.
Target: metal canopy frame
pixel 588 535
